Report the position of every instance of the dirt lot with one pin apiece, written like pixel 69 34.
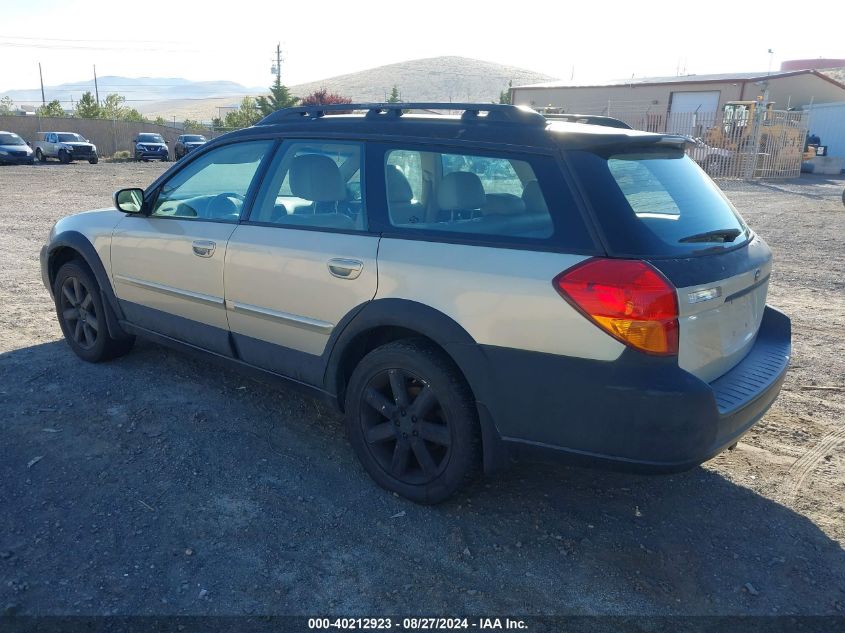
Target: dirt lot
pixel 161 485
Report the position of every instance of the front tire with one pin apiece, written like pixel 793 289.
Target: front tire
pixel 94 160
pixel 64 157
pixel 79 308
pixel 411 419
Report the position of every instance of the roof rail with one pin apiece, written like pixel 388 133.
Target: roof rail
pixel 589 119
pixel 495 112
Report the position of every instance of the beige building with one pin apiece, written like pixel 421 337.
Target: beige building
pixel 663 96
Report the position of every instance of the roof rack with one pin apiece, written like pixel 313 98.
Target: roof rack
pixel 494 112
pixel 589 119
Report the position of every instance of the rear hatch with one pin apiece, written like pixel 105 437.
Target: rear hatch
pixel 653 203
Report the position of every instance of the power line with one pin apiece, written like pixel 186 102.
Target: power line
pixel 92 48
pixel 67 39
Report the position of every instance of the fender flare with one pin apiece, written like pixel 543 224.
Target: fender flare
pixel 77 242
pixel 458 344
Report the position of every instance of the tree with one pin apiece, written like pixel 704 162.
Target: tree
pixel 279 97
pixel 394 96
pixel 248 113
pixel 505 95
pixel 131 114
pixel 87 107
pixel 6 105
pixel 112 107
pixel 192 125
pixel 54 108
pixel 324 97
pixel 159 120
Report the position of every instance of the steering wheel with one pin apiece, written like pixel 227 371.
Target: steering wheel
pixel 225 204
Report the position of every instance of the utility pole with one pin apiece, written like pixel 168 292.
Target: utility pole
pixel 41 77
pixel 278 63
pixel 96 89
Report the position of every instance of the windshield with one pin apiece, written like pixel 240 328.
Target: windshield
pixel 9 138
pixel 70 138
pixel 150 138
pixel 193 138
pixel 659 204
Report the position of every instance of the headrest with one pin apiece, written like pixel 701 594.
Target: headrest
pixel 398 187
pixel 503 204
pixel 460 190
pixel 533 198
pixel 317 178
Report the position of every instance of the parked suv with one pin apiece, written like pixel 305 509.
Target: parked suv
pixel 151 146
pixel 14 150
pixel 66 147
pixel 186 142
pixel 464 288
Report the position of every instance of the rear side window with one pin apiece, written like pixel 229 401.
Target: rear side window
pixel 658 204
pixel 492 199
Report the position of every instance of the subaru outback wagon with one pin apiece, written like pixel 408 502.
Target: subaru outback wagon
pixel 465 288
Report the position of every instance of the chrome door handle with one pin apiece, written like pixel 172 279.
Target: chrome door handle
pixel 345 268
pixel 204 248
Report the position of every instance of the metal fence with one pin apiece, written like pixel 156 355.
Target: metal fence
pixel 737 142
pixel 108 135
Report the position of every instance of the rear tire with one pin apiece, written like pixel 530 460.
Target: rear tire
pixel 411 420
pixel 79 308
pixel 39 156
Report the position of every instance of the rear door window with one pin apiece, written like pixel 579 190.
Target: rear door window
pixel 658 204
pixel 481 198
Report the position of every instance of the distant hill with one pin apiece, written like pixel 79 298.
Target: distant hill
pixel 137 90
pixel 431 79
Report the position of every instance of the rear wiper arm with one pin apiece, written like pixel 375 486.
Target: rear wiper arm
pixel 719 235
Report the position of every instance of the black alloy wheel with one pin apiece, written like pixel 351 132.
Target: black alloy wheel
pixel 406 430
pixel 412 421
pixel 79 312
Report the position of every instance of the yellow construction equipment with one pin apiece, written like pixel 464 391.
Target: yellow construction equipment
pixel 755 127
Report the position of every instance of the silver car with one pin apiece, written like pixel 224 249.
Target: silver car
pixel 465 288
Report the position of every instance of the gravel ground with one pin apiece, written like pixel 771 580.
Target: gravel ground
pixel 157 484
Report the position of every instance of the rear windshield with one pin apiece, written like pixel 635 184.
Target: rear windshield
pixel 658 204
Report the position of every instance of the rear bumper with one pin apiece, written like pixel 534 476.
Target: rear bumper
pixel 637 413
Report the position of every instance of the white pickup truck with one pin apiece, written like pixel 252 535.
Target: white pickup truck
pixel 66 146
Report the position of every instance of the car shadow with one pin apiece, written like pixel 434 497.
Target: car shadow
pixel 159 484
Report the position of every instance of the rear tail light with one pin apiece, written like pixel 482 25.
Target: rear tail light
pixel 628 299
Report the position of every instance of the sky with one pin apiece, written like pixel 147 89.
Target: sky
pixel 234 41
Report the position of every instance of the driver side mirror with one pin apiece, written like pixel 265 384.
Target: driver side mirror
pixel 129 200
